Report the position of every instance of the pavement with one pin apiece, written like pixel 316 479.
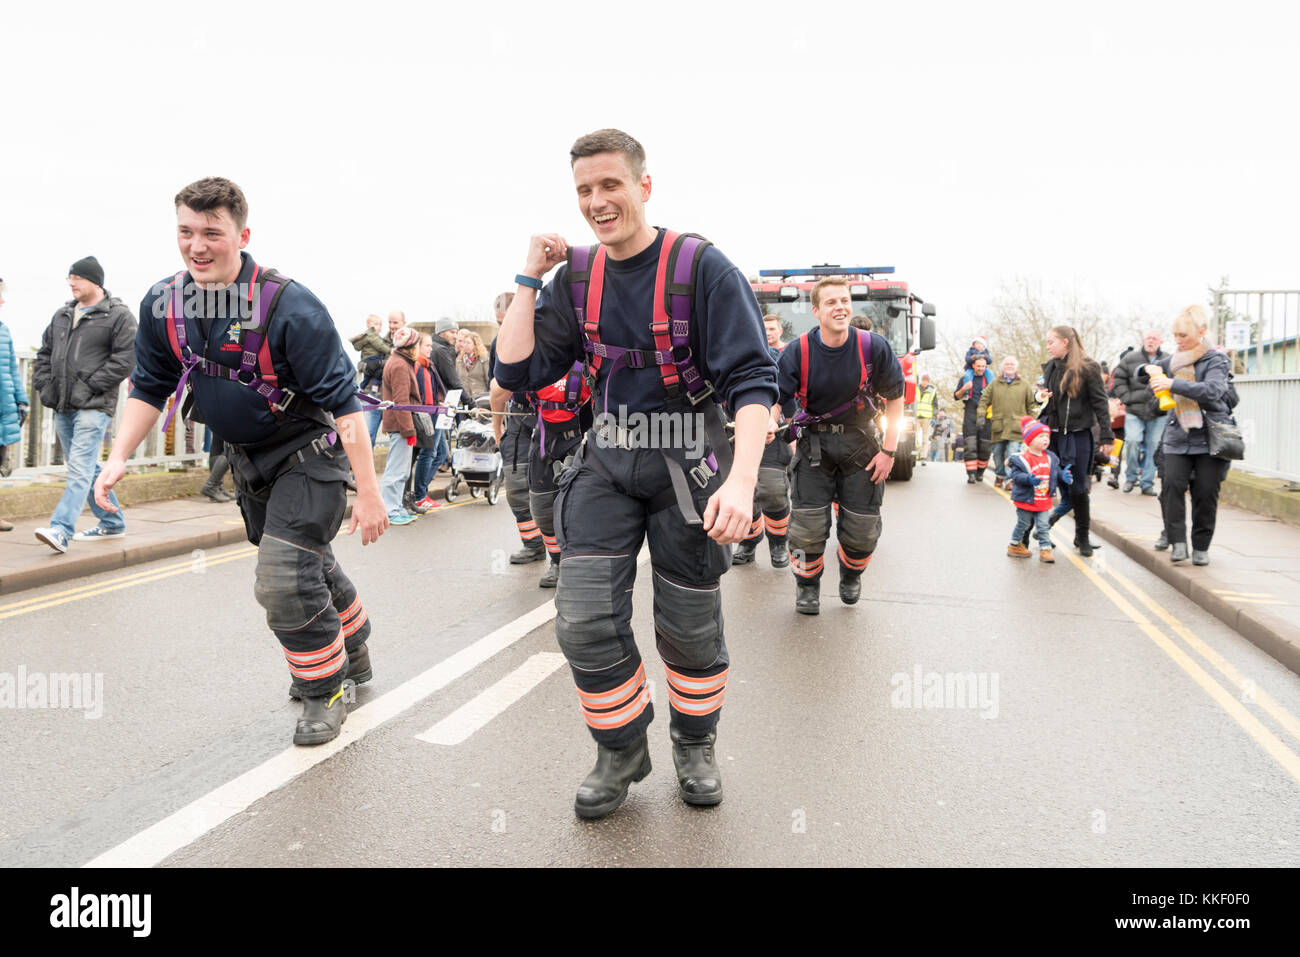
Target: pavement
pixel 1252 582
pixel 154 530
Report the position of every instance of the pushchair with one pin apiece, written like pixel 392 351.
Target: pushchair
pixel 475 461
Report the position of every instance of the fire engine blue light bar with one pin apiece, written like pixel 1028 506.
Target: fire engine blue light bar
pixel 829 271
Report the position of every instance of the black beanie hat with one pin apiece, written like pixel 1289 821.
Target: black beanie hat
pixel 90 269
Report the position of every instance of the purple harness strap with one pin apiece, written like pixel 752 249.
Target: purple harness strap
pixel 802 419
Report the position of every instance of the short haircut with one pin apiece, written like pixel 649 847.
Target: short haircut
pixel 769 317
pixel 502 302
pixel 214 193
pixel 610 141
pixel 862 322
pixel 823 283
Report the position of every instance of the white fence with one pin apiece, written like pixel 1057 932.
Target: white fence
pixel 38 455
pixel 1269 416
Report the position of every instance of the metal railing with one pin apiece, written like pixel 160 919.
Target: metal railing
pixel 1273 316
pixel 39 456
pixel 1269 409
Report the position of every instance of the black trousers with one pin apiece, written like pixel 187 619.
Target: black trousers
pixel 840 477
pixel 772 496
pixel 546 455
pixel 1202 475
pixel 515 444
pixel 977 438
pixel 608 503
pixel 311 605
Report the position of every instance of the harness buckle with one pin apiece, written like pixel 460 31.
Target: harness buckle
pixel 698 397
pixel 701 474
pixel 634 359
pixel 289 396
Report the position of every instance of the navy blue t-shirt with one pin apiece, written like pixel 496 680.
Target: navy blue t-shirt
pixel 834 373
pixel 518 398
pixel 727 338
pixel 306 352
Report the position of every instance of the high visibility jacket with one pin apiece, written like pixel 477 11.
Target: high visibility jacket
pixel 925 403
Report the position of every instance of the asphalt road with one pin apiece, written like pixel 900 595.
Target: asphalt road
pixel 1090 738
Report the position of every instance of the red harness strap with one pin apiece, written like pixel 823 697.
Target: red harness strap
pixel 659 325
pixel 595 289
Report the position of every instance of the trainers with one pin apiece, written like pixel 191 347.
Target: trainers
pixel 97 533
pixel 1016 550
pixel 428 504
pixel 54 538
pixel 400 518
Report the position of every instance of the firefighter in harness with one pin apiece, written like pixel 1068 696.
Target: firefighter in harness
pixel 838 375
pixel 563 415
pixel 667 326
pixel 267 372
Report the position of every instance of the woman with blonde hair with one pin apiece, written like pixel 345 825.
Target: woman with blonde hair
pixel 1196 376
pixel 1076 401
pixel 472 364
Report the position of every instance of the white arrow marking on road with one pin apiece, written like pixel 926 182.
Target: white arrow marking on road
pixel 191 822
pixel 468 718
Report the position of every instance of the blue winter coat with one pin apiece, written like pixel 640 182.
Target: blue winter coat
pixel 12 393
pixel 1023 482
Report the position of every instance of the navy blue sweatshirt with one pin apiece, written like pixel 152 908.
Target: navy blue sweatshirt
pixel 834 373
pixel 728 343
pixel 306 352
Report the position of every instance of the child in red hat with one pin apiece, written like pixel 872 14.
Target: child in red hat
pixel 1033 478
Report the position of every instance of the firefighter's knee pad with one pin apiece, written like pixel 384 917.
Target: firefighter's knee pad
pixel 809 527
pixel 282 569
pixel 593 604
pixel 517 489
pixel 858 531
pixel 771 492
pixel 688 622
pixel 542 507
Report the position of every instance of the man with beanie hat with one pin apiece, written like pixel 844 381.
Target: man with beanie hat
pixel 87 350
pixel 1034 475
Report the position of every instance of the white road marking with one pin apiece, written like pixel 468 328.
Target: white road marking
pixel 191 822
pixel 472 715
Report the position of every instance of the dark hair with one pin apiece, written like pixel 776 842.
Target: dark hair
pixel 213 193
pixel 1077 363
pixel 862 322
pixel 610 141
pixel 823 283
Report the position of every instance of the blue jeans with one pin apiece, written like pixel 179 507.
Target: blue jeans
pixel 396 469
pixel 1000 452
pixel 441 452
pixel 1141 439
pixel 81 434
pixel 425 467
pixel 372 422
pixel 1025 518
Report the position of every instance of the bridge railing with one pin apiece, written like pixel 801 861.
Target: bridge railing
pixel 1268 414
pixel 38 454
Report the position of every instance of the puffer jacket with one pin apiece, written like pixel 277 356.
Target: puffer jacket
pixel 12 393
pixel 81 368
pixel 1210 390
pixel 1138 399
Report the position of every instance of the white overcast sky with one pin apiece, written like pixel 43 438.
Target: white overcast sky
pixel 399 155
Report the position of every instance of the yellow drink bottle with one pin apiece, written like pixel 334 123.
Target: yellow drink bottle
pixel 1166 400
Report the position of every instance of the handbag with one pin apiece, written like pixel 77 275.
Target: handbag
pixel 1225 439
pixel 424 430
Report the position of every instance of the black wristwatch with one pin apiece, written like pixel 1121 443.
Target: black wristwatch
pixel 892 453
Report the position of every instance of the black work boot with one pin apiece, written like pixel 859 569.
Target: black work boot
pixel 550 577
pixel 321 720
pixel 359 670
pixel 807 598
pixel 529 553
pixel 744 554
pixel 699 780
pixel 780 553
pixel 605 788
pixel 850 587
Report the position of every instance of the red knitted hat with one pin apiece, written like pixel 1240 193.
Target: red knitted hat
pixel 1030 427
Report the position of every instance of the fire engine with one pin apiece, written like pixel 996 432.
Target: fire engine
pixel 903 318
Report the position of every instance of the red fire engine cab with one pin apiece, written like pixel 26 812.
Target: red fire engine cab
pixel 902 317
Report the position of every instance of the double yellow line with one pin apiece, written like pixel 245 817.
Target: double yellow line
pixel 1265 738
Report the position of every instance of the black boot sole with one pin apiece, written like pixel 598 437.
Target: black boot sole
pixel 589 812
pixel 700 800
pixel 809 609
pixel 783 562
pixel 529 560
